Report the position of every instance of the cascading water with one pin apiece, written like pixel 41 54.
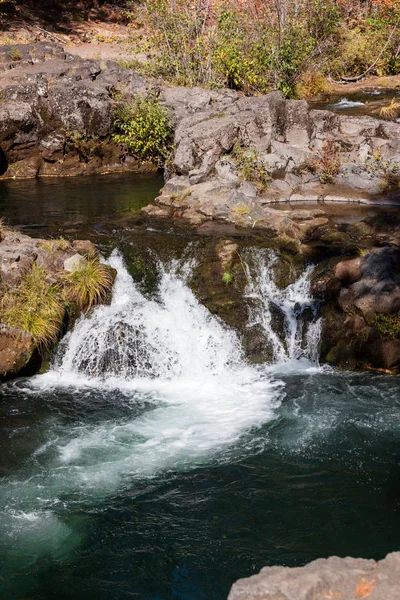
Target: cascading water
pixel 181 371
pixel 193 397
pixel 299 337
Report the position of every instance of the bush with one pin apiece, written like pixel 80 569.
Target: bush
pixel 251 167
pixel 312 84
pixel 327 162
pixel 89 284
pixel 36 307
pixel 145 128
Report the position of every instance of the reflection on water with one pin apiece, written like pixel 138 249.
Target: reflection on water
pixel 43 203
pixel 363 103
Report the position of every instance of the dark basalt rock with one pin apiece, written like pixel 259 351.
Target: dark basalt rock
pixel 365 288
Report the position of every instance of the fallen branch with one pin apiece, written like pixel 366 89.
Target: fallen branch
pixel 359 77
pixel 53 35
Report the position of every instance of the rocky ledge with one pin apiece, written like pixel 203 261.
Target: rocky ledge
pixel 45 286
pixel 237 157
pixel 57 112
pixel 334 578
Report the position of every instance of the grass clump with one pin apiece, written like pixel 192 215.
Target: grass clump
pixel 388 325
pixel 36 307
pixel 14 53
pixel 145 128
pixel 251 167
pixel 241 210
pixel 54 245
pixel 391 111
pixel 89 284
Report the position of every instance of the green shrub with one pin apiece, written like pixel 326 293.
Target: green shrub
pixel 36 307
pixel 227 278
pixel 145 128
pixel 89 284
pixel 251 167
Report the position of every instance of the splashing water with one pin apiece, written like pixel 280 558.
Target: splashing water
pixel 299 337
pixel 183 372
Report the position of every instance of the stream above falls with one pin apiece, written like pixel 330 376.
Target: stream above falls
pixel 152 460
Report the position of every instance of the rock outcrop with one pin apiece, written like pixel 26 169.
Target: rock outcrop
pixel 362 317
pixel 57 112
pixel 334 578
pixel 287 152
pixel 19 253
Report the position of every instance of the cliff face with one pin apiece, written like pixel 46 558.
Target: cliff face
pixel 57 112
pixel 340 578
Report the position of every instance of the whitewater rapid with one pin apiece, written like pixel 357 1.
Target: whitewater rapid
pixel 194 399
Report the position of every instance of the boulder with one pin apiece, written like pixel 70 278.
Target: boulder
pixel 16 348
pixel 339 578
pixel 75 262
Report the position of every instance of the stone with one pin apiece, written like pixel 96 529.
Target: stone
pixel 16 348
pixel 348 271
pixel 75 262
pixel 84 247
pixel 339 578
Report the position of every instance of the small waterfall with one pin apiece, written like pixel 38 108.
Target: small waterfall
pixel 297 335
pixel 169 337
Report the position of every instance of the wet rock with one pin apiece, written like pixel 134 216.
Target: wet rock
pixel 227 251
pixel 341 578
pixel 352 330
pixel 16 348
pixel 84 247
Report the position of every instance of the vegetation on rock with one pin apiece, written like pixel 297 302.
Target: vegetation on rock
pixel 89 284
pixel 35 307
pixel 327 162
pixel 145 128
pixel 388 325
pixel 251 166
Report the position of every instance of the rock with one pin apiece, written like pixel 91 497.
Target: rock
pixel 339 578
pixel 370 289
pixel 348 271
pixel 16 348
pixel 75 262
pixel 226 252
pixel 84 247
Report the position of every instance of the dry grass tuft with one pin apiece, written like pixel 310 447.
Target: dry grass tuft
pixel 390 112
pixel 89 284
pixel 54 245
pixel 35 307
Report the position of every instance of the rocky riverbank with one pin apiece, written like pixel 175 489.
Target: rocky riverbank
pixel 45 285
pixel 235 160
pixel 340 578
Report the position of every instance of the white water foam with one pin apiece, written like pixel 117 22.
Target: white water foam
pixel 297 344
pixel 345 103
pixel 201 398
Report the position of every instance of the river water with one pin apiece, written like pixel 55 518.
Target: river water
pixel 152 461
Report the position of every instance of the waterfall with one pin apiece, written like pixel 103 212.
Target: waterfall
pixel 172 336
pixel 190 395
pixel 298 335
